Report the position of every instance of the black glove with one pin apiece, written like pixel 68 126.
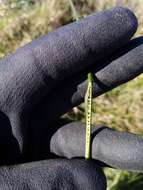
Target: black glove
pixel 45 78
pixel 36 70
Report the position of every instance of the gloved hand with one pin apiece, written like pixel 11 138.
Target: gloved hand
pixel 55 63
pixel 45 78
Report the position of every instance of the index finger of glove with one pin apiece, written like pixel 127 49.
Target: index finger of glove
pixel 75 46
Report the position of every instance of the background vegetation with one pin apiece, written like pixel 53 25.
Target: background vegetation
pixel 122 108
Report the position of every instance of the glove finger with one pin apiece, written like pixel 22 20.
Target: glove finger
pixel 121 150
pixel 121 67
pixel 53 174
pixel 68 49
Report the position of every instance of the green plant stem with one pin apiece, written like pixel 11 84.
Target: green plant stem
pixel 88 100
pixel 88 115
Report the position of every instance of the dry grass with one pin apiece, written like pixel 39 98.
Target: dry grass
pixel 21 26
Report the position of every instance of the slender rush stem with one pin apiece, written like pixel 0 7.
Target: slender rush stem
pixel 74 11
pixel 88 116
pixel 88 100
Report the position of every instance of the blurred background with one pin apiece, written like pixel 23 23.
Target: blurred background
pixel 122 108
